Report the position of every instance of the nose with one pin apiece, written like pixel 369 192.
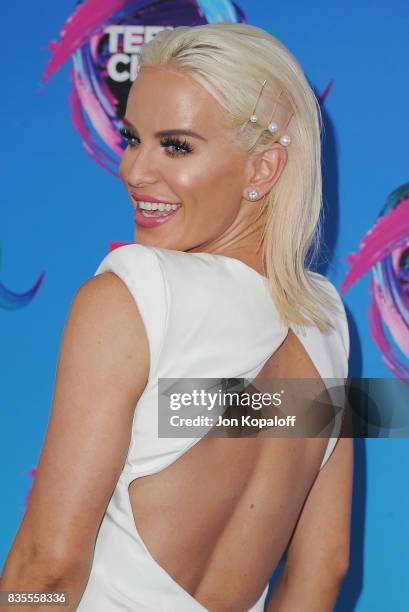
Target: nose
pixel 138 168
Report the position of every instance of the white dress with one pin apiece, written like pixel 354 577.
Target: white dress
pixel 206 316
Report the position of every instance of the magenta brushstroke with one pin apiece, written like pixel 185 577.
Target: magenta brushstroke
pixel 79 27
pixel 383 238
pixel 376 329
pixel 384 251
pixel 116 244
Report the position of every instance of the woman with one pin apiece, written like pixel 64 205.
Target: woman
pixel 223 134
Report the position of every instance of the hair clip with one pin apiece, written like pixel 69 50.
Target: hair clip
pixel 272 126
pixel 253 117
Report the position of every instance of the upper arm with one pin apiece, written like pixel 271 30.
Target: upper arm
pixel 102 370
pixel 318 553
pixel 321 536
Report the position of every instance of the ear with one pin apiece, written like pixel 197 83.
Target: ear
pixel 264 169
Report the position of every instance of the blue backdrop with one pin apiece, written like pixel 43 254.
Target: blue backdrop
pixel 60 211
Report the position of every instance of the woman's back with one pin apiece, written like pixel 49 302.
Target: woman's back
pixel 187 506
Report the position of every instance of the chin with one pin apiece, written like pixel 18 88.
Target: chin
pixel 147 238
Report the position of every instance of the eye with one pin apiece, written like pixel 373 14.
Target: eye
pixel 183 146
pixel 180 147
pixel 127 134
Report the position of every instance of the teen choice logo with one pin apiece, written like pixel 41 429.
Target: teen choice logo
pixel 103 40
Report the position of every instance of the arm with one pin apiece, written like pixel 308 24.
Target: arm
pixel 318 553
pixel 102 370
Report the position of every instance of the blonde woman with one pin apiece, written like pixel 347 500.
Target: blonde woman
pixel 222 168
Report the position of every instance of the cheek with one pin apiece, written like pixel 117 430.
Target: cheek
pixel 205 178
pixel 211 196
pixel 219 190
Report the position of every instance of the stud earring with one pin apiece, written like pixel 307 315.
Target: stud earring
pixel 253 194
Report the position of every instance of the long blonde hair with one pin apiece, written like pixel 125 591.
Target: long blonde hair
pixel 232 61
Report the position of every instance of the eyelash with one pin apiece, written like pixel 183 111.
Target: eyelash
pixel 165 142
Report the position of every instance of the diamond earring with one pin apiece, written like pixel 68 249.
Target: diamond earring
pixel 253 194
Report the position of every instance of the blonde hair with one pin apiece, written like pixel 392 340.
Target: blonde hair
pixel 232 60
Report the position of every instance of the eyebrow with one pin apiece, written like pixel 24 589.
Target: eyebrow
pixel 175 132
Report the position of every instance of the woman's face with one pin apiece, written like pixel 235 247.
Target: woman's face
pixel 203 174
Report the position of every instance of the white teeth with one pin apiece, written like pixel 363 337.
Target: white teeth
pixel 161 206
pixel 155 214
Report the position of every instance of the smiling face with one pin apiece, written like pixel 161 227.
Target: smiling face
pixel 204 173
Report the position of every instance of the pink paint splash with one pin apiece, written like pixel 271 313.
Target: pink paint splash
pixel 91 96
pixel 377 316
pixel 383 250
pixel 383 238
pixel 102 157
pixel 79 27
pixel 116 244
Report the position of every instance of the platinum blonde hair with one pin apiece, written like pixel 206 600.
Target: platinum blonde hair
pixel 232 61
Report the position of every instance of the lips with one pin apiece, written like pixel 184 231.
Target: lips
pixel 149 222
pixel 159 218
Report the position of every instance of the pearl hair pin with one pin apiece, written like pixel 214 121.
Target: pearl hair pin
pixel 253 117
pixel 273 126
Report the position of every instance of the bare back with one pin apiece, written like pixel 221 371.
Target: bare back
pixel 218 500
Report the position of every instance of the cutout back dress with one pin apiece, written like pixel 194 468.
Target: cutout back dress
pixel 206 316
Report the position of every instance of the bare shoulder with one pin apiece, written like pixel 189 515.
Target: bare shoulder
pixel 107 285
pixel 104 319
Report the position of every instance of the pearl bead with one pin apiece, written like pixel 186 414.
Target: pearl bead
pixel 273 127
pixel 253 119
pixel 285 140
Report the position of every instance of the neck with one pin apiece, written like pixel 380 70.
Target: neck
pixel 243 244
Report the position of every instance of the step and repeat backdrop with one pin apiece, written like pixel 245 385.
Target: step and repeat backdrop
pixel 66 72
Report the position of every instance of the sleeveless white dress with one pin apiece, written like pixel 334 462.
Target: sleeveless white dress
pixel 206 316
